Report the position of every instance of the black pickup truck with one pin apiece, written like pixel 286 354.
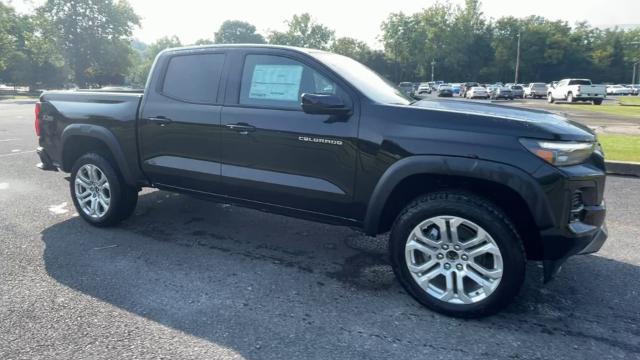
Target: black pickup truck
pixel 468 191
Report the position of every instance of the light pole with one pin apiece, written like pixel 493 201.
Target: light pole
pixel 635 64
pixel 433 66
pixel 517 60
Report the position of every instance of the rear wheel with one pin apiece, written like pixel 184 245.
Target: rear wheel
pixel 457 254
pixel 597 102
pixel 570 97
pixel 99 194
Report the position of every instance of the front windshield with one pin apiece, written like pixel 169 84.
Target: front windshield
pixel 372 85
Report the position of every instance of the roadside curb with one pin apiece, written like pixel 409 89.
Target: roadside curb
pixel 623 168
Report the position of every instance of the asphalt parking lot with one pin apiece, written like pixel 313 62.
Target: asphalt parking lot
pixel 184 278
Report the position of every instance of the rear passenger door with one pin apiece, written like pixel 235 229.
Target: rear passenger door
pixel 179 124
pixel 275 153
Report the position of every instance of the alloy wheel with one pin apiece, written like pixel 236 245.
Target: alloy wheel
pixel 454 260
pixel 92 191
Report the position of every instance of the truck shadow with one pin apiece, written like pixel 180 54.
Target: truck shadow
pixel 258 282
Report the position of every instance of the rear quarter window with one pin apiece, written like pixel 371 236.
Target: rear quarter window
pixel 193 78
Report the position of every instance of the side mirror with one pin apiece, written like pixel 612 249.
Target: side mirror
pixel 325 104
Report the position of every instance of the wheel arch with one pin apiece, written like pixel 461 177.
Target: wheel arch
pixel 508 187
pixel 79 139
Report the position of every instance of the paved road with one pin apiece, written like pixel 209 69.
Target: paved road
pixel 185 278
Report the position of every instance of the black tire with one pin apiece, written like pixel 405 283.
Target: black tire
pixel 570 98
pixel 123 197
pixel 485 214
pixel 550 98
pixel 597 102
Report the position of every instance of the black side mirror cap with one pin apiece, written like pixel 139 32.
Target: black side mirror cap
pixel 325 104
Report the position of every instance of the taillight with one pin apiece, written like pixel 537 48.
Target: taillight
pixel 37 122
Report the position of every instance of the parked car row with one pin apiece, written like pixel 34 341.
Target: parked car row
pixel 635 89
pixel 444 90
pixel 623 90
pixel 568 90
pixel 536 90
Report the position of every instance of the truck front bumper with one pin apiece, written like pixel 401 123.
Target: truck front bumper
pixel 582 245
pixel 579 215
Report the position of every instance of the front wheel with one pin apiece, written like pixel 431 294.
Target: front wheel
pixel 457 254
pixel 597 102
pixel 550 99
pixel 99 194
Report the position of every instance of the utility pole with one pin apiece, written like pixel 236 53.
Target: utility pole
pixel 433 66
pixel 517 60
pixel 635 64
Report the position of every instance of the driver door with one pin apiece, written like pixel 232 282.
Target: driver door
pixel 272 151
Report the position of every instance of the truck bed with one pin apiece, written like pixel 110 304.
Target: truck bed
pixel 70 113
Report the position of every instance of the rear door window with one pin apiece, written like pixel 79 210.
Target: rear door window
pixel 194 78
pixel 579 82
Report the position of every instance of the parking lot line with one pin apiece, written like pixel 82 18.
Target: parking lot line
pixel 5 140
pixel 17 153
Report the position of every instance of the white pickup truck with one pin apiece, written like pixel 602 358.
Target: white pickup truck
pixel 572 90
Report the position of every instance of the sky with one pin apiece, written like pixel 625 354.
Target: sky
pixel 191 20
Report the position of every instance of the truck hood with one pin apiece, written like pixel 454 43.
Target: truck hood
pixel 535 123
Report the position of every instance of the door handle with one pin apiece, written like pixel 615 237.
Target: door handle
pixel 160 120
pixel 242 128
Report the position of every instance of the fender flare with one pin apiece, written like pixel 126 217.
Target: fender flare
pixel 515 179
pixel 108 138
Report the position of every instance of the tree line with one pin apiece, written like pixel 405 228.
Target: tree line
pixel 89 43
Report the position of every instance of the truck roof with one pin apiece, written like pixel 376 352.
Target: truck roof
pixel 242 46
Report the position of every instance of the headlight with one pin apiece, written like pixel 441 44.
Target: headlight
pixel 560 153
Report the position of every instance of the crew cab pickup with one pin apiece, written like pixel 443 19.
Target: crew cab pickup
pixel 573 90
pixel 469 192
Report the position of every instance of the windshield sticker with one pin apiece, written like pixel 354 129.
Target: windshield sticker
pixel 276 82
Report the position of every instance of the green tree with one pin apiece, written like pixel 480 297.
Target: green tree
pixel 303 32
pixel 161 44
pixel 378 61
pixel 352 48
pixel 204 42
pixel 237 32
pixel 7 40
pixel 32 59
pixel 145 60
pixel 94 37
pixel 469 42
